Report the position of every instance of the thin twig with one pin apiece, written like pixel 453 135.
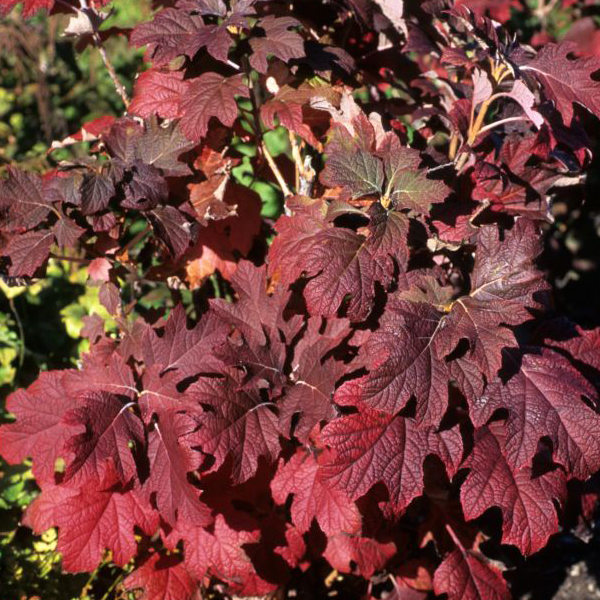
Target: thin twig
pixel 13 308
pixel 461 160
pixel 254 102
pixel 111 70
pixel 73 259
pixel 109 66
pixel 307 177
pixel 297 157
pixel 113 585
pixel 86 587
pixel 85 9
pixel 453 146
pixel 501 122
pixel 280 180
pixel 135 239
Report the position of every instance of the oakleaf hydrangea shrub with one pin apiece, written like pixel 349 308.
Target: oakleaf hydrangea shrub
pixel 372 378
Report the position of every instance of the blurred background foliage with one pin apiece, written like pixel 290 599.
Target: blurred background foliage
pixel 48 89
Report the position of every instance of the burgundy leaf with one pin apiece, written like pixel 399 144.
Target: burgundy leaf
pixel 158 92
pixel 566 81
pixel 145 187
pixel 279 41
pixel 39 431
pixel 504 285
pixel 22 196
pixel 161 146
pixel 162 578
pixel 67 232
pixel 348 264
pixel 188 351
pixel 255 314
pixel 173 229
pixel 369 448
pixel 526 500
pixel 96 192
pixel 210 95
pixel 313 497
pixel 28 252
pixel 168 35
pixel 171 459
pixel 240 425
pixel 406 364
pixel 314 379
pixel 466 575
pixel 544 399
pixel 112 430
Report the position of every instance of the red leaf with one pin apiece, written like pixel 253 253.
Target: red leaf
pixel 526 500
pixel 158 92
pixel 240 424
pixel 583 345
pixel 220 553
pixel 296 235
pixel 171 459
pixel 161 397
pixel 279 41
pixel 30 7
pixel 162 578
pixel 28 252
pixel 369 448
pixel 464 575
pixel 291 107
pixel 111 428
pixel 499 9
pixel 92 520
pixel 99 269
pixel 111 375
pixel 39 431
pixel 368 554
pixel 222 242
pixel 543 399
pixel 566 81
pixel 207 96
pixel 313 497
